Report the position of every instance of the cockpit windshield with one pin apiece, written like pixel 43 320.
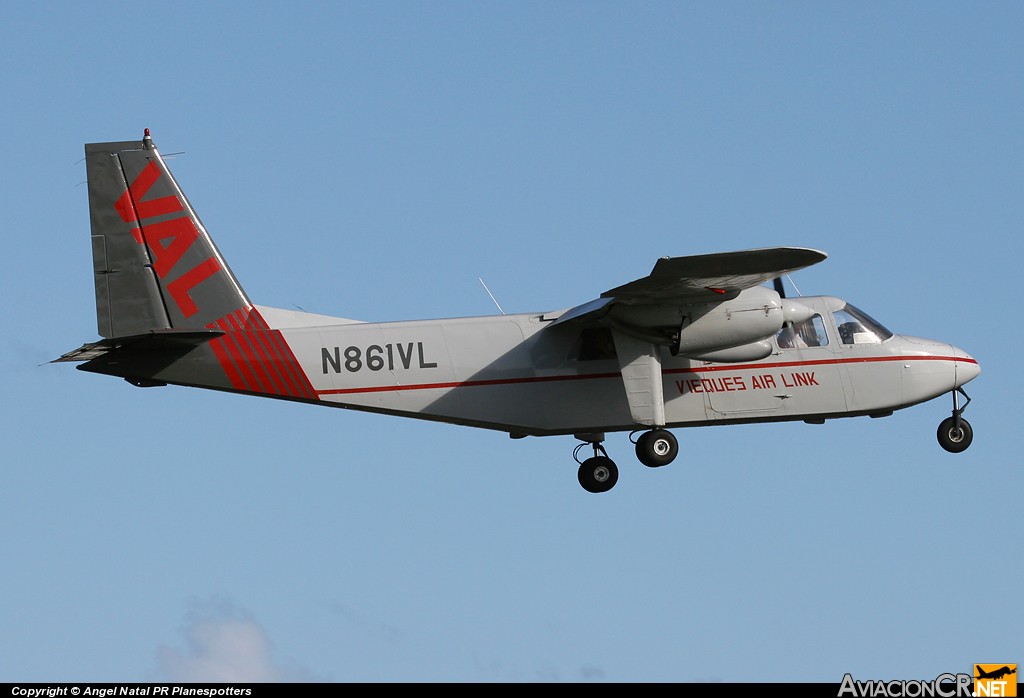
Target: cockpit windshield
pixel 857 327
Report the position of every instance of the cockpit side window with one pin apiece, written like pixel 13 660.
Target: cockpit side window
pixel 809 333
pixel 857 327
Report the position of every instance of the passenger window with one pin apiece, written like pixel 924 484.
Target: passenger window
pixel 595 343
pixel 801 335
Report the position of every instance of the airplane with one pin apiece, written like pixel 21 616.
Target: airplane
pixel 996 674
pixel 701 340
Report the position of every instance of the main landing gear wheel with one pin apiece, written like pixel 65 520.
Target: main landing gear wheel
pixel 953 438
pixel 598 473
pixel 656 448
pixel 955 433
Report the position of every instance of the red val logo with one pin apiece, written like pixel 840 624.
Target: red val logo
pixel 168 240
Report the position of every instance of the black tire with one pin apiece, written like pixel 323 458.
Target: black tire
pixel 952 439
pixel 656 448
pixel 598 474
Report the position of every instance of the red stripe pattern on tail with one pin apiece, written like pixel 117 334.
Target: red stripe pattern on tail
pixel 257 359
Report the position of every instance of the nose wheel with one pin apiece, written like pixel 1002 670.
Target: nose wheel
pixel 598 473
pixel 955 433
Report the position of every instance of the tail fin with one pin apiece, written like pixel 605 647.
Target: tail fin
pixel 167 305
pixel 155 266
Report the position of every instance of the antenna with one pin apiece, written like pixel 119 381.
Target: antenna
pixel 794 285
pixel 490 294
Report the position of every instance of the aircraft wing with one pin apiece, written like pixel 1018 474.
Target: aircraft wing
pixel 700 278
pixel 696 277
pixel 653 309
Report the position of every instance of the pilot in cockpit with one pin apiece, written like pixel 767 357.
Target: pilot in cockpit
pixel 847 330
pixel 789 338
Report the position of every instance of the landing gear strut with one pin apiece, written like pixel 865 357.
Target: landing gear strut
pixel 599 472
pixel 955 433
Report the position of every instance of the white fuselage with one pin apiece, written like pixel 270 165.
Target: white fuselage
pixel 519 374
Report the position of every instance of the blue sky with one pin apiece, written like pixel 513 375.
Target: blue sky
pixel 373 160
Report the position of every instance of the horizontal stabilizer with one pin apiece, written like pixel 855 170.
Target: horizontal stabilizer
pixel 157 340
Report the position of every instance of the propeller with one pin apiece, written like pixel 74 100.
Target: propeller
pixel 794 312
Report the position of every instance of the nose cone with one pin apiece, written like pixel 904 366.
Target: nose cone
pixel 932 368
pixel 966 367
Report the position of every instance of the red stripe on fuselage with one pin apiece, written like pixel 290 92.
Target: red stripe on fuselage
pixel 670 371
pixel 266 362
pixel 303 386
pixel 275 362
pixel 238 359
pixel 468 384
pixel 221 352
pixel 818 362
pixel 276 351
pixel 257 365
pixel 257 359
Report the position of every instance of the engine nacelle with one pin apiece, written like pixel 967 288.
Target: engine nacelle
pixel 755 314
pixel 745 352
